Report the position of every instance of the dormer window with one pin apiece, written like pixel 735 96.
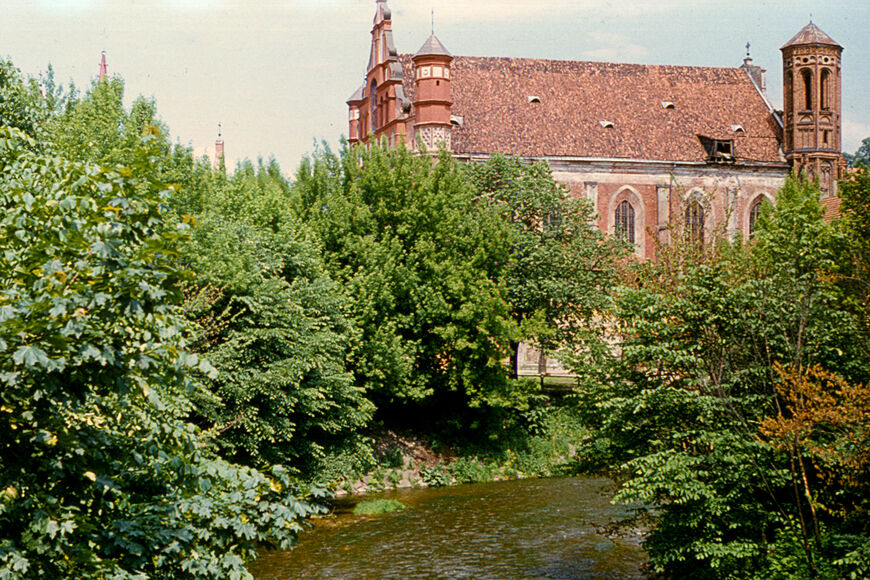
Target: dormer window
pixel 456 120
pixel 534 99
pixel 607 124
pixel 738 129
pixel 668 105
pixel 721 150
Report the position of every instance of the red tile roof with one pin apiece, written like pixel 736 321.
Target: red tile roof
pixel 492 95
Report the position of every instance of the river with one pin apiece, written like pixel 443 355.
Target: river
pixel 532 528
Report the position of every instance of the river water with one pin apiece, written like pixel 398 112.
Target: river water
pixel 532 528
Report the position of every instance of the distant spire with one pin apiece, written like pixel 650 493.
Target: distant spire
pixel 219 162
pixel 103 68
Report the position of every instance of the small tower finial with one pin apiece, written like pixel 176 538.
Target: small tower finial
pixel 103 68
pixel 747 49
pixel 433 21
pixel 219 160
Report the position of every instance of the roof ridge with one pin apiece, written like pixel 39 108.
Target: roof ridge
pixel 597 62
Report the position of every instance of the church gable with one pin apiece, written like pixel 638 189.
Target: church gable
pixel 552 108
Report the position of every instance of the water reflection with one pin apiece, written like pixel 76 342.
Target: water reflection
pixel 546 528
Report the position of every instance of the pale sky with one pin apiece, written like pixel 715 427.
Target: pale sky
pixel 277 73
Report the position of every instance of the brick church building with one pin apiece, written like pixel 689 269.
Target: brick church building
pixel 649 145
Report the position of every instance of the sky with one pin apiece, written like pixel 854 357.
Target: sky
pixel 276 73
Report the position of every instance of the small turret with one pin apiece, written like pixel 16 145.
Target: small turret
pixel 354 104
pixel 432 95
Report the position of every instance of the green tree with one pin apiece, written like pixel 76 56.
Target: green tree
pixel 100 474
pixel 272 322
pixel 861 156
pixel 560 269
pixel 98 128
pixel 682 408
pixel 28 104
pixel 412 251
pixel 855 208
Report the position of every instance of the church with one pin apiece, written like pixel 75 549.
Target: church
pixel 650 146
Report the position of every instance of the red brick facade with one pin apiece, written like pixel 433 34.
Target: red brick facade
pixel 657 137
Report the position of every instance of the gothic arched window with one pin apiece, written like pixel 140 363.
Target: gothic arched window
pixel 624 222
pixel 825 88
pixel 754 212
pixel 808 88
pixel 695 222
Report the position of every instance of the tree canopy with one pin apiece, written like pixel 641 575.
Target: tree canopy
pixel 101 473
pixel 737 403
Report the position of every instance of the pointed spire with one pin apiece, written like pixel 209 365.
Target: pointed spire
pixel 382 12
pixel 432 46
pixel 103 68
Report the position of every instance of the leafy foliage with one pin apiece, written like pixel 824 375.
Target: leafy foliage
pixel 696 384
pixel 101 474
pixel 861 156
pixel 272 322
pixel 559 268
pixel 402 236
pixel 28 104
pixel 98 128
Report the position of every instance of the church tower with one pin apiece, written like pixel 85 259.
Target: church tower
pixel 811 63
pixel 380 107
pixel 432 96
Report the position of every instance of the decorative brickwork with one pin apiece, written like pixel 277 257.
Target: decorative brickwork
pixel 434 137
pixel 812 106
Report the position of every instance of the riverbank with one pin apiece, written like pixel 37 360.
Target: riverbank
pixel 412 460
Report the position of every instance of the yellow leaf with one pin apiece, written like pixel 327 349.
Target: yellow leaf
pixel 91 475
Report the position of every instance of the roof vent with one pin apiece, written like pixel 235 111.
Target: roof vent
pixel 534 99
pixel 668 105
pixel 456 120
pixel 607 124
pixel 738 129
